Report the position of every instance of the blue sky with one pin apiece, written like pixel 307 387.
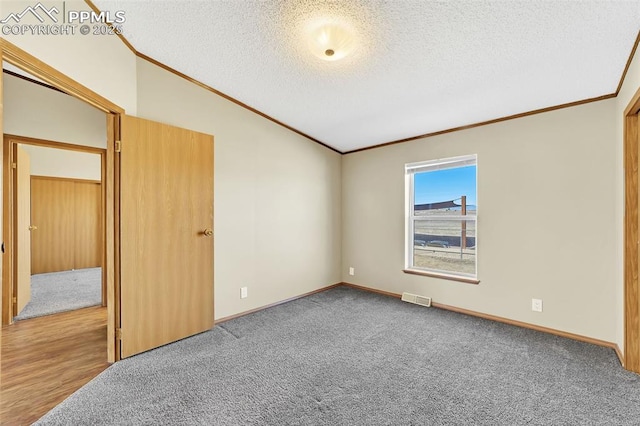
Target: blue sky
pixel 445 185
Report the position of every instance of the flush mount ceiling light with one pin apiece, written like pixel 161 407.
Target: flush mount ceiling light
pixel 329 36
pixel 331 42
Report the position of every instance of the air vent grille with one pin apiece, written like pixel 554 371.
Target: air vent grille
pixel 416 299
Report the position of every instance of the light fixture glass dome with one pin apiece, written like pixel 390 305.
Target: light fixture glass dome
pixel 331 42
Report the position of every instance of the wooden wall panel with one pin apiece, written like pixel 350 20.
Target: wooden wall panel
pixel 67 213
pixel 88 225
pixel 52 244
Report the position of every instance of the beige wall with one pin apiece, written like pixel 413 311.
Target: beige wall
pixel 277 195
pixel 38 112
pixel 629 87
pixel 547 215
pixel 63 163
pixel 102 63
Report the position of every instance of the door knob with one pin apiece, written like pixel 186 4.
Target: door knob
pixel 208 232
pixel 32 228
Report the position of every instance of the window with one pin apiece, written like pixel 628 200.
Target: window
pixel 441 218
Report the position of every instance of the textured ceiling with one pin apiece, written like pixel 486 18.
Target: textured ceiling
pixel 417 66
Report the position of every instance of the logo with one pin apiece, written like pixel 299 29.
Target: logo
pixel 34 11
pixel 40 20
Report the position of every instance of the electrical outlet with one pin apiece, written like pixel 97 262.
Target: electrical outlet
pixel 352 270
pixel 243 293
pixel 536 305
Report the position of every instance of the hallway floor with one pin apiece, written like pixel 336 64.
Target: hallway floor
pixel 46 359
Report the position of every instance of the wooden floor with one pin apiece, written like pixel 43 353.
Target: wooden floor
pixel 46 359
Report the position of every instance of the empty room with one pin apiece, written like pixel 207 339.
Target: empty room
pixel 320 212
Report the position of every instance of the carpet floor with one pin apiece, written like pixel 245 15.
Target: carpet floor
pixel 348 357
pixel 55 292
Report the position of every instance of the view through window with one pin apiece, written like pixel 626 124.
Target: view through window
pixel 442 214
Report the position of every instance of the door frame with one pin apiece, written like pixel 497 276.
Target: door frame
pixel 9 281
pixel 631 235
pixel 29 63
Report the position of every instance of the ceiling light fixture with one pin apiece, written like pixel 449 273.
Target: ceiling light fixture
pixel 331 42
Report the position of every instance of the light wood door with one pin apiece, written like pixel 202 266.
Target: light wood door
pixel 23 229
pixel 166 287
pixel 52 209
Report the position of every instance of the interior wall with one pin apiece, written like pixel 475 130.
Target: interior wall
pixel 100 62
pixel 277 195
pixel 547 212
pixel 39 112
pixel 629 87
pixel 63 163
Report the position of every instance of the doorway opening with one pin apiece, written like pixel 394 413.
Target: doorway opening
pixel 53 201
pixel 57 220
pixel 39 71
pixel 81 338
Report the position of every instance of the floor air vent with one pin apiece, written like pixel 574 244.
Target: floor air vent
pixel 418 300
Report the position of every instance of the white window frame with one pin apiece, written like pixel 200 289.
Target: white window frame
pixel 426 166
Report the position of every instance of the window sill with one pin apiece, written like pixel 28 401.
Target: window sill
pixel 443 276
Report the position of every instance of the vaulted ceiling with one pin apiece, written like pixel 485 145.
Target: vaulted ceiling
pixel 414 67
